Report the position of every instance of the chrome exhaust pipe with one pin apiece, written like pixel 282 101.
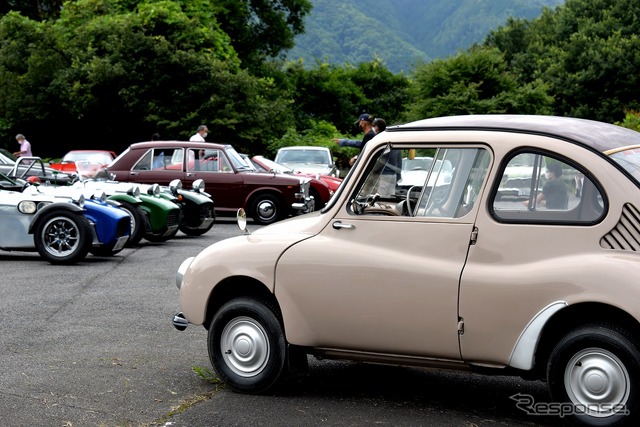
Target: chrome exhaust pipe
pixel 179 322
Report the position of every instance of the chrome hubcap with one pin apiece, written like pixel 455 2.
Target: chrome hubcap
pixel 245 347
pixel 597 382
pixel 266 209
pixel 61 236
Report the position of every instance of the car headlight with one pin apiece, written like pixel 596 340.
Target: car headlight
pixel 198 185
pixel 175 185
pixel 102 197
pixel 79 200
pixel 27 207
pixel 134 191
pixel 154 190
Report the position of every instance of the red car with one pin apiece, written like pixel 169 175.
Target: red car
pixel 322 186
pixel 230 182
pixel 97 158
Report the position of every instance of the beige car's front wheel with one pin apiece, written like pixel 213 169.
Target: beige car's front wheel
pixel 593 375
pixel 247 345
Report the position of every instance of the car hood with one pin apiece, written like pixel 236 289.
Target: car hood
pixel 230 258
pixel 310 169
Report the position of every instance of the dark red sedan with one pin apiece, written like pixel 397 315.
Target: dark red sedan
pixel 230 182
pixel 322 187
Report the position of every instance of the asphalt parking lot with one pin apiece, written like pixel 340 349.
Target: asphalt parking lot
pixel 92 345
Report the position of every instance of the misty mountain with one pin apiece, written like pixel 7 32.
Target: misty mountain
pixel 403 32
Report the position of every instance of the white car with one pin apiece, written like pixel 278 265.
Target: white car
pixel 308 159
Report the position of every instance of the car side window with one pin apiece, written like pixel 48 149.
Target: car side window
pixel 542 188
pixel 208 160
pixel 144 164
pixel 429 182
pixel 161 159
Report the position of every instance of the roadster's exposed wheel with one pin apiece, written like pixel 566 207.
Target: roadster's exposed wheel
pixel 62 237
pixel 137 223
pixel 247 345
pixel 160 238
pixel 190 230
pixel 595 371
pixel 266 209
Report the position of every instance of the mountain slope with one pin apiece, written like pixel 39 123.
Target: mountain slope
pixel 402 32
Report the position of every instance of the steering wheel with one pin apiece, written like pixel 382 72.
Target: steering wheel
pixel 359 204
pixel 408 207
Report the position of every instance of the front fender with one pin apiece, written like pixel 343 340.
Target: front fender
pixel 53 206
pixel 107 219
pixel 160 212
pixel 226 259
pixel 122 197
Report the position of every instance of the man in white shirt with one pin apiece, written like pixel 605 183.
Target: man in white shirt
pixel 201 134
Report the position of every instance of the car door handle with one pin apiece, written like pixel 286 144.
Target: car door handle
pixel 339 224
pixel 133 173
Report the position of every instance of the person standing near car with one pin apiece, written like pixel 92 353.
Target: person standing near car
pixel 364 122
pixel 25 147
pixel 201 134
pixel 391 173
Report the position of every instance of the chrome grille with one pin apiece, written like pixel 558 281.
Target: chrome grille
pixel 206 211
pixel 626 234
pixel 173 217
pixel 123 227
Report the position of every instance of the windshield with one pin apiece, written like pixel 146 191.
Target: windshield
pixel 236 159
pixel 6 158
pixel 630 161
pixel 101 157
pixel 276 166
pixel 303 156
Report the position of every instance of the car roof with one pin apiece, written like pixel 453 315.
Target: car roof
pixel 304 147
pixel 169 144
pixel 596 135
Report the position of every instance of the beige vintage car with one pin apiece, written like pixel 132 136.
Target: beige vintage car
pixel 454 273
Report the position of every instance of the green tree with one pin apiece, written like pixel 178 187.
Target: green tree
pixel 588 52
pixel 261 29
pixel 37 10
pixel 28 59
pixel 120 75
pixel 631 120
pixel 474 82
pixel 339 94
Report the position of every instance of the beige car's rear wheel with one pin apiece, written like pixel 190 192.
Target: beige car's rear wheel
pixel 594 370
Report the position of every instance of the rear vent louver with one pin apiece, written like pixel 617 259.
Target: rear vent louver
pixel 626 234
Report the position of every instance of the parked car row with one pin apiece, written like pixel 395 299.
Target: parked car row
pixel 63 229
pixel 232 183
pixel 145 182
pixel 97 215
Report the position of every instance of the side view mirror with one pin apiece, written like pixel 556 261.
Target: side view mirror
pixel 241 218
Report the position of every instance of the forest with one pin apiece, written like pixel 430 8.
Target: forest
pixel 106 73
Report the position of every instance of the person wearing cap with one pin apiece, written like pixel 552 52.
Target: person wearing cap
pixel 25 147
pixel 364 122
pixel 201 134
